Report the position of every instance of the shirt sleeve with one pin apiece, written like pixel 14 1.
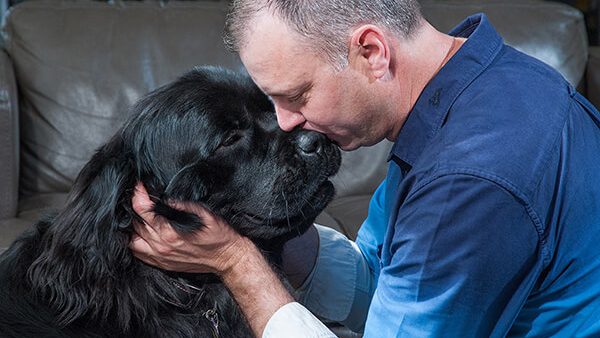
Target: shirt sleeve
pixel 342 283
pixel 372 232
pixel 459 262
pixel 295 321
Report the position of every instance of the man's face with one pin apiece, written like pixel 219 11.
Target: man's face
pixel 306 90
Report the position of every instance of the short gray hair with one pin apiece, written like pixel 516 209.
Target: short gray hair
pixel 328 22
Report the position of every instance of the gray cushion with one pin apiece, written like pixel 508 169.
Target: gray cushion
pixel 9 139
pixel 552 32
pixel 362 170
pixel 80 65
pixel 10 228
pixel 34 207
pixel 349 212
pixel 31 209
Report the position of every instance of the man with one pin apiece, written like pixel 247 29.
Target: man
pixel 488 221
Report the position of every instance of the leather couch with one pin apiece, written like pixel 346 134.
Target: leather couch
pixel 69 70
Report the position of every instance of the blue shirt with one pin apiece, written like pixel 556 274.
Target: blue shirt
pixel 488 223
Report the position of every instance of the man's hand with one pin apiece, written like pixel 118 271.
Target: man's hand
pixel 214 248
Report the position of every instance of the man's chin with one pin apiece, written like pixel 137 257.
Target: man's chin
pixel 348 145
pixel 345 144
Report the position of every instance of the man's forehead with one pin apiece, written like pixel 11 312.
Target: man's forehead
pixel 275 56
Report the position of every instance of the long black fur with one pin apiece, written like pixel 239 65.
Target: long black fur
pixel 210 137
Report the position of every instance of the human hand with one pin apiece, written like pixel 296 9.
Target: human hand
pixel 214 248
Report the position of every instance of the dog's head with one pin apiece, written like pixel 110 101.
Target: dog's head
pixel 212 137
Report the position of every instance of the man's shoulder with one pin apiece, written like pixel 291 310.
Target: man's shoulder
pixel 515 79
pixel 506 122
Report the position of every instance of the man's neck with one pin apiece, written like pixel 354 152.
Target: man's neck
pixel 419 59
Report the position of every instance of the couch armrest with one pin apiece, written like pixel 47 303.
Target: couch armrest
pixel 593 75
pixel 9 139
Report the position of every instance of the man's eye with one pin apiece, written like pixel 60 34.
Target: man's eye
pixel 296 98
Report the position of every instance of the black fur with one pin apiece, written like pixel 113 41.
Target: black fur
pixel 210 137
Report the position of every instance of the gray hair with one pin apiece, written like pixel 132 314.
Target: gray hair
pixel 329 22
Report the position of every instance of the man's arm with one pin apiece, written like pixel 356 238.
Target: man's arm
pixel 342 278
pixel 460 261
pixel 256 288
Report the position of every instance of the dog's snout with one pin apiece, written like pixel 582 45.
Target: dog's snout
pixel 310 142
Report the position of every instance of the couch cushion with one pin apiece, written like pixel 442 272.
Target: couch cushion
pixel 80 65
pixel 10 229
pixel 327 220
pixel 550 31
pixel 33 207
pixel 349 212
pixel 9 139
pixel 362 170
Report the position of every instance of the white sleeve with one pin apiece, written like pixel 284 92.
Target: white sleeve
pixel 295 321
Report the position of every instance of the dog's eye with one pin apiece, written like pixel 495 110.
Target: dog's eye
pixel 231 138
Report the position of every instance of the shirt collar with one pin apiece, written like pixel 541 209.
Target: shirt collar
pixel 430 110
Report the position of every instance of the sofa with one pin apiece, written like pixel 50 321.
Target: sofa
pixel 70 69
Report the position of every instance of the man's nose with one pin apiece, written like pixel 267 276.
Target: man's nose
pixel 288 119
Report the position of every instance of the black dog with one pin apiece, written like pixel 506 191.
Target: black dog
pixel 210 137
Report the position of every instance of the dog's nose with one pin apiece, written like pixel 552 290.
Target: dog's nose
pixel 310 142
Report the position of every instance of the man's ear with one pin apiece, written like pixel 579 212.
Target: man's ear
pixel 369 51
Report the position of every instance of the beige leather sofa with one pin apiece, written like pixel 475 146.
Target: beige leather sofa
pixel 69 70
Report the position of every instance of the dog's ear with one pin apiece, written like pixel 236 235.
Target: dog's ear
pixel 85 244
pixel 189 184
